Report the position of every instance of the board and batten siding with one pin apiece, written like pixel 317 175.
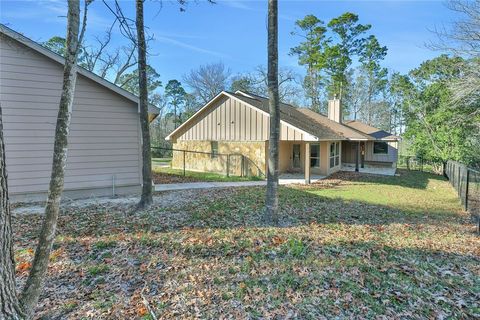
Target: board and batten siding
pixel 232 120
pixel 104 140
pixel 391 156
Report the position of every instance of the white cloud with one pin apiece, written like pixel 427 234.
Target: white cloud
pixel 188 46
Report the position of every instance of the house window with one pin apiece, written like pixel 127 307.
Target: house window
pixel 380 147
pixel 214 147
pixel 315 156
pixel 334 154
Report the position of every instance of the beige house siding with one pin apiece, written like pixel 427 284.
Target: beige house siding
pixel 286 158
pixel 104 137
pixel 231 120
pixel 391 157
pixel 254 154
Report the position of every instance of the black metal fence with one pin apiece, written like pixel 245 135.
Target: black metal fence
pixel 202 161
pixel 467 183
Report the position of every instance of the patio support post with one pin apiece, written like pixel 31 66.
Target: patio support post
pixel 307 163
pixel 357 155
pixel 363 155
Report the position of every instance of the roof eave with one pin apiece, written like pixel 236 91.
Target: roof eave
pixel 61 60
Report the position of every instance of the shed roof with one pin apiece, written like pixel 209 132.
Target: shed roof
pixel 12 34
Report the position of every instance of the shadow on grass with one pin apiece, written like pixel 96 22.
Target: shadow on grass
pixel 375 263
pixel 404 178
pixel 243 207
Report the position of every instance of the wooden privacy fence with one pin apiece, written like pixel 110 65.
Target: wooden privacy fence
pixel 467 183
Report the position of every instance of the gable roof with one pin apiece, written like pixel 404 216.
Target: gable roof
pixel 309 121
pixel 376 133
pixel 316 126
pixel 4 30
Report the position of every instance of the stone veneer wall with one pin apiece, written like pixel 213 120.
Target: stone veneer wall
pixel 253 152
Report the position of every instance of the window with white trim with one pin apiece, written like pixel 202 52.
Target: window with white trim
pixel 334 154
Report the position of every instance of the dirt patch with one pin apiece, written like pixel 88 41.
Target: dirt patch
pixel 166 178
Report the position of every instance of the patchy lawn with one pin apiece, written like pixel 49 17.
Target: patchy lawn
pixel 166 175
pixel 348 247
pixel 161 162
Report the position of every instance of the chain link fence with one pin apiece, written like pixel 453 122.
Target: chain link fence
pixel 201 161
pixel 467 183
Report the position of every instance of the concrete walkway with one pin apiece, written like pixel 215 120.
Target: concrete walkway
pixel 207 185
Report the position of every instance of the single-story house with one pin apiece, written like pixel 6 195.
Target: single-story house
pixel 311 143
pixel 104 155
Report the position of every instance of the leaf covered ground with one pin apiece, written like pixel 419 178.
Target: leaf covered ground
pixel 348 247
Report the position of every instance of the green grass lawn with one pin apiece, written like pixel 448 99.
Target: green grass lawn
pixel 348 247
pixel 166 174
pixel 161 161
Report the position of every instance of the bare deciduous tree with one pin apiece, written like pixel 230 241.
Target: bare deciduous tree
pixel 208 80
pixel 271 203
pixel 10 307
pixel 462 38
pixel 257 83
pixel 147 195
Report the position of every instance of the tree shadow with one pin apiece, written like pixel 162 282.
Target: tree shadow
pixel 404 178
pixel 243 207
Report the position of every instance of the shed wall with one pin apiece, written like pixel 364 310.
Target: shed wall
pixel 104 141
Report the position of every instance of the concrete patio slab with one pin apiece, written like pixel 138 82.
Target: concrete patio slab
pixel 297 178
pixel 372 170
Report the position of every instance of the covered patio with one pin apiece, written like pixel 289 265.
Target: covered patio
pixel 309 161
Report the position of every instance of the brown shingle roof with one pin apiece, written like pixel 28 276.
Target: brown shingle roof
pixel 371 131
pixel 305 119
pixel 340 128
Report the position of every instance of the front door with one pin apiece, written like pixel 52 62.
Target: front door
pixel 296 156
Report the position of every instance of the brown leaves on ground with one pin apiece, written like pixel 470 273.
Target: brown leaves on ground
pixel 167 178
pixel 208 254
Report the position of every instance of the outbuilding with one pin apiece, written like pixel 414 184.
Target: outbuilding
pixel 104 156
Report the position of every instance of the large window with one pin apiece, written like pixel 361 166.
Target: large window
pixel 380 147
pixel 315 156
pixel 214 147
pixel 334 154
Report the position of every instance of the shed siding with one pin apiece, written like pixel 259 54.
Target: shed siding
pixel 232 120
pixel 104 135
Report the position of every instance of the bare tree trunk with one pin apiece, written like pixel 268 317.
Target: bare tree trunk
pixel 9 304
pixel 147 198
pixel 34 284
pixel 271 214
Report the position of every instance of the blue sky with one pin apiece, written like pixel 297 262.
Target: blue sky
pixel 234 31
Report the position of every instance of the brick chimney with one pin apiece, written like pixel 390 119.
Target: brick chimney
pixel 335 110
